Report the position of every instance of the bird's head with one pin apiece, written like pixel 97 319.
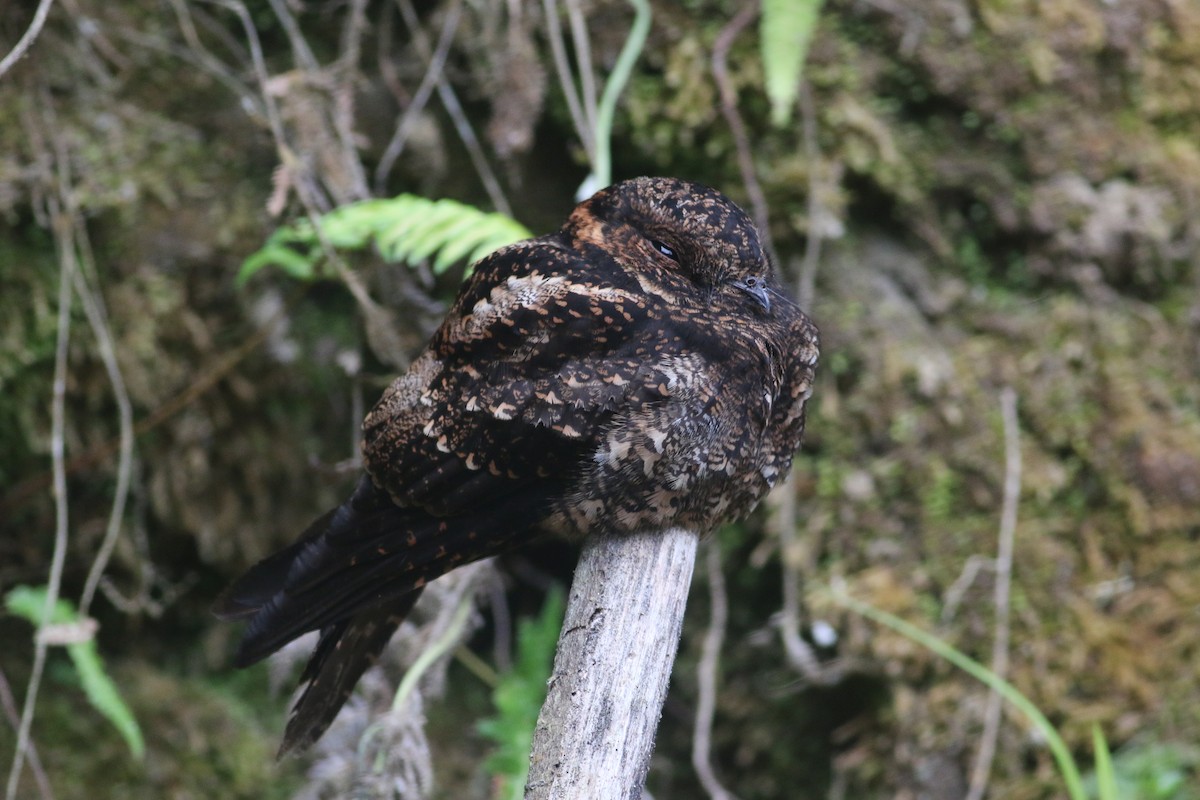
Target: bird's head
pixel 676 233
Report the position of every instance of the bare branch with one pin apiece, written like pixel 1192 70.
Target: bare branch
pixel 60 214
pixel 737 128
pixel 807 278
pixel 27 40
pixel 93 308
pixel 9 703
pixel 706 675
pixel 799 655
pixel 583 60
pixel 300 48
pixel 595 733
pixel 408 120
pixel 566 79
pixel 1004 558
pixel 454 108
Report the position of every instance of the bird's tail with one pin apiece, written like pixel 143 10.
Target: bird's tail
pixel 354 574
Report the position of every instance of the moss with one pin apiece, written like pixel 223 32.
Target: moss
pixel 205 738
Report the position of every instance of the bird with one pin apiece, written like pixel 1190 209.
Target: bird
pixel 639 369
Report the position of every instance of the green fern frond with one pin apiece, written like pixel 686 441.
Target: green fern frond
pixel 28 602
pixel 785 30
pixel 405 229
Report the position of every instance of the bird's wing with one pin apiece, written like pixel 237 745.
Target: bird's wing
pixel 465 451
pixel 517 385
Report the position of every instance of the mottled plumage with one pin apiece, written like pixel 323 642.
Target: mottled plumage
pixel 635 370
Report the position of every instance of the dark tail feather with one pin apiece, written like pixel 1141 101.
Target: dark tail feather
pixel 344 652
pixel 268 577
pixel 354 574
pixel 262 581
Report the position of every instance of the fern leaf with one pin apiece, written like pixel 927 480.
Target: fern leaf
pixel 29 602
pixel 351 227
pixel 785 30
pixel 298 265
pixel 404 229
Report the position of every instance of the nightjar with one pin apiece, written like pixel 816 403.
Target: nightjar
pixel 638 369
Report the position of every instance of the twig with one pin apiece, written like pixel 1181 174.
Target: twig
pixel 451 637
pixel 26 41
pixel 800 656
pixel 454 108
pixel 806 280
pixel 299 44
pixel 94 310
pixel 1004 558
pixel 501 626
pixel 595 732
pixel 706 676
pixel 198 54
pixel 958 590
pixel 9 704
pixel 381 332
pixel 66 255
pixel 566 80
pixel 408 119
pixel 737 128
pixel 449 630
pixel 583 60
pixel 346 69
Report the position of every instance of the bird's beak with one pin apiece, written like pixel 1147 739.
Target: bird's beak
pixel 757 290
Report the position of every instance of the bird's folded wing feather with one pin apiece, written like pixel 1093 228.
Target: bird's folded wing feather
pixel 516 386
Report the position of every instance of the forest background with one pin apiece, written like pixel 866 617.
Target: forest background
pixel 991 208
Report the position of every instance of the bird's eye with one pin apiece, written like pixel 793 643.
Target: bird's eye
pixel 667 251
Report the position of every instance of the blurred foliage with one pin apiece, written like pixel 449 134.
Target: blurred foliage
pixel 519 695
pixel 786 29
pixel 1006 194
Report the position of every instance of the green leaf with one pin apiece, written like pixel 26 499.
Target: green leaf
pixel 785 30
pixel 1062 754
pixel 519 697
pixel 406 229
pixel 1106 776
pixel 29 603
pixel 295 264
pixel 351 227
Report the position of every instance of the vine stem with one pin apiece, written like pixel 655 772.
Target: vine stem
pixel 31 34
pixel 602 165
pixel 57 453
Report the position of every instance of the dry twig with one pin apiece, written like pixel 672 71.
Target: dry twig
pixel 61 215
pixel 706 674
pixel 1004 557
pixel 737 128
pixel 93 307
pixel 408 120
pixel 26 41
pixel 9 703
pixel 566 80
pixel 462 125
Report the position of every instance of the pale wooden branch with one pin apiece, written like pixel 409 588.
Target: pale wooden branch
pixel 595 734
